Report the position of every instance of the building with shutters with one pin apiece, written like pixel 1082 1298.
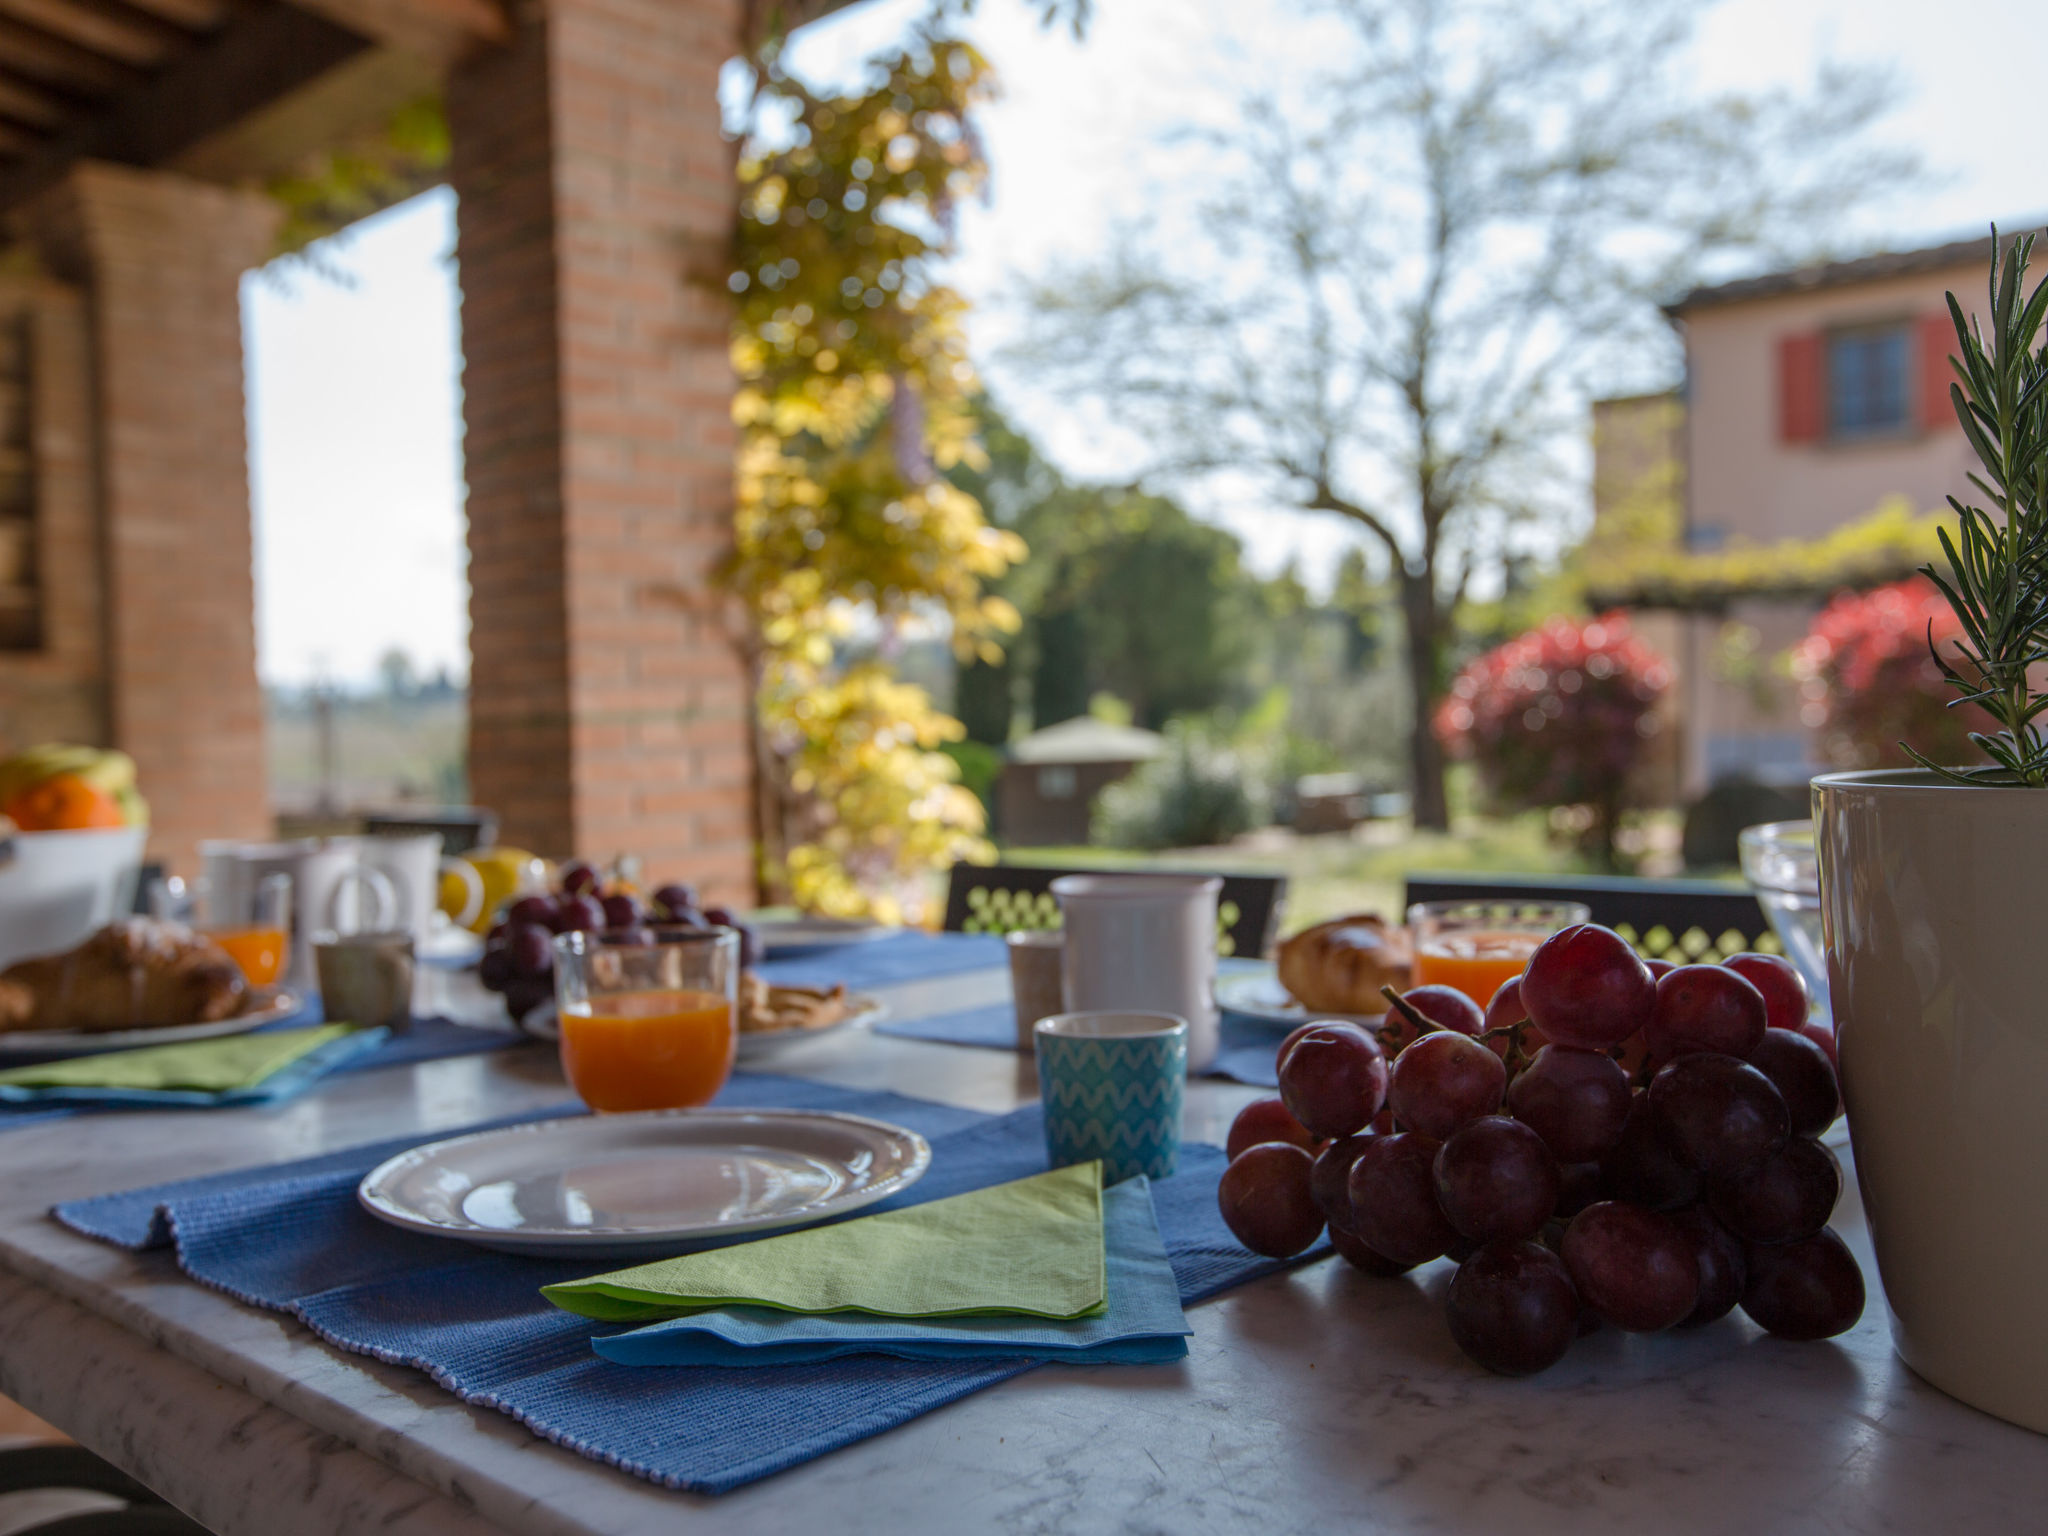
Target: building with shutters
pixel 1810 397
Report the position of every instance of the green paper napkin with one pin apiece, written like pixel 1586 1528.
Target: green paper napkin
pixel 1033 1246
pixel 202 1066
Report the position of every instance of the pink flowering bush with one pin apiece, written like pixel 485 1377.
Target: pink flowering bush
pixel 1559 717
pixel 1866 681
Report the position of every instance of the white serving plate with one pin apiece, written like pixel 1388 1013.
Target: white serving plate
pixel 754 1044
pixel 633 1185
pixel 1257 994
pixel 263 1007
pixel 798 935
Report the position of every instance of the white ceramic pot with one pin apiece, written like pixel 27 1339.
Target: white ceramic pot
pixel 1933 916
pixel 1146 943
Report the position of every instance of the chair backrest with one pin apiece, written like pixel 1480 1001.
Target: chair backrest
pixel 1677 920
pixel 1001 898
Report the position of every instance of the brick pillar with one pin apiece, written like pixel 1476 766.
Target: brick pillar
pixel 609 710
pixel 160 259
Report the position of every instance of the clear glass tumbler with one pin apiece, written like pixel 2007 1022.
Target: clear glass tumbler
pixel 1779 861
pixel 648 1015
pixel 1475 946
pixel 252 923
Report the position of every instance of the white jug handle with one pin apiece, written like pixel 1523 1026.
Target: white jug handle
pixel 383 898
pixel 472 890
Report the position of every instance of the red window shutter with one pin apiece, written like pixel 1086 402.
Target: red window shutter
pixel 1937 341
pixel 1802 388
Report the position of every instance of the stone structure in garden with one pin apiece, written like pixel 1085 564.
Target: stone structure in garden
pixel 610 710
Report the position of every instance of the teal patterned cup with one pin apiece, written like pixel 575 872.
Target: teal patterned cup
pixel 1112 1085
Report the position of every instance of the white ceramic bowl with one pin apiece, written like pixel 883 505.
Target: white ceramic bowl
pixel 61 886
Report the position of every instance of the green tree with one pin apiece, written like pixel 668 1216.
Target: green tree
pixel 1397 284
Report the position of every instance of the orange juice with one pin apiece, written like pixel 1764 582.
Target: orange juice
pixel 649 1050
pixel 1475 963
pixel 258 951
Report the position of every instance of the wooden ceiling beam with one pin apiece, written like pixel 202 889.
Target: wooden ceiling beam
pixel 102 27
pixel 257 59
pixel 444 31
pixel 27 103
pixel 192 15
pixel 33 53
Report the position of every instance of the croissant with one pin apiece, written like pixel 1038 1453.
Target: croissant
pixel 1340 966
pixel 139 973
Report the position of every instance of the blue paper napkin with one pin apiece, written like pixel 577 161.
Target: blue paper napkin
pixel 1142 1325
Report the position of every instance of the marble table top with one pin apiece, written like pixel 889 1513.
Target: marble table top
pixel 1315 1400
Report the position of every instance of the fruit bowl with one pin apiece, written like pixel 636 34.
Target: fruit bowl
pixel 59 887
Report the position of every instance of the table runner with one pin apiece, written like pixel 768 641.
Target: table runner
pixel 1249 1046
pixel 911 955
pixel 292 1239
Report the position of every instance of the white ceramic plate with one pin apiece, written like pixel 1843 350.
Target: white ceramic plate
pixel 264 1007
pixel 1257 994
pixel 797 935
pixel 754 1043
pixel 625 1186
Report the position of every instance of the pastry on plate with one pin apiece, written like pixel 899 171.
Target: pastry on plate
pixel 139 973
pixel 1340 966
pixel 768 1010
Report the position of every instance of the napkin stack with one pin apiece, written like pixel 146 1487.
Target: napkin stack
pixel 1049 1268
pixel 262 1067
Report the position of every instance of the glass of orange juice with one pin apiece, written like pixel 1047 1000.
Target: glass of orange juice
pixel 1475 946
pixel 253 925
pixel 648 1015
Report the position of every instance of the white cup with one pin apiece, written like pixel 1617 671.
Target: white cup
pixel 412 862
pixel 1144 942
pixel 330 886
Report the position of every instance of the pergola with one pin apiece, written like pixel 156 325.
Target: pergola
pixel 609 704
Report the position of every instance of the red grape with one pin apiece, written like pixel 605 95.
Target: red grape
pixel 494 970
pixel 1784 989
pixel 577 878
pixel 523 994
pixel 1264 1196
pixel 721 917
pixel 1513 1308
pixel 1720 1114
pixel 1330 1179
pixel 1658 969
pixel 1805 1290
pixel 1585 986
pixel 1705 1008
pixel 579 914
pixel 1723 1270
pixel 1786 1197
pixel 495 938
pixel 1333 1078
pixel 621 910
pixel 1642 1167
pixel 1822 1034
pixel 1495 1179
pixel 1636 1268
pixel 533 909
pixel 531 950
pixel 1265 1120
pixel 1443 1081
pixel 630 938
pixel 1578 1186
pixel 1504 1012
pixel 1802 1072
pixel 674 899
pixel 1443 1006
pixel 1393 1198
pixel 1362 1255
pixel 1576 1100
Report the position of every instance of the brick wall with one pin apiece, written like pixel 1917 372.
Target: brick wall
pixel 159 259
pixel 609 709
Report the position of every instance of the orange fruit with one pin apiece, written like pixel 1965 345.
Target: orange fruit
pixel 64 803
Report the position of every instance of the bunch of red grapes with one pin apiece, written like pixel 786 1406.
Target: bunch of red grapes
pixel 519 951
pixel 1613 1141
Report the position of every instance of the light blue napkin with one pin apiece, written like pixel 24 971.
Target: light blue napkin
pixel 1142 1325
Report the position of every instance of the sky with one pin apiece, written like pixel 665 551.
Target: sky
pixel 354 369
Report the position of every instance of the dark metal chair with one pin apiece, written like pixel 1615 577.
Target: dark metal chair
pixel 30 1468
pixel 1002 898
pixel 1677 920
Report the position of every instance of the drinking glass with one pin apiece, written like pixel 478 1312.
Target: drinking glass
pixel 253 923
pixel 648 1016
pixel 1476 946
pixel 1779 862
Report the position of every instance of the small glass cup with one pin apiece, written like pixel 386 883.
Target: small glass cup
pixel 1477 945
pixel 1783 870
pixel 252 923
pixel 648 1016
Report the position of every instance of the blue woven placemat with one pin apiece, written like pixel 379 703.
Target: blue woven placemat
pixel 1247 1056
pixel 292 1238
pixel 427 1040
pixel 911 955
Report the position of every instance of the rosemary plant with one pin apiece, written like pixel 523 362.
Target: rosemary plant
pixel 1997 577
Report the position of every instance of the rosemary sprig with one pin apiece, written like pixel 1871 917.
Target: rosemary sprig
pixel 1997 578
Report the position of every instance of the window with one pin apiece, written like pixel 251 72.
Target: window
pixel 1869 381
